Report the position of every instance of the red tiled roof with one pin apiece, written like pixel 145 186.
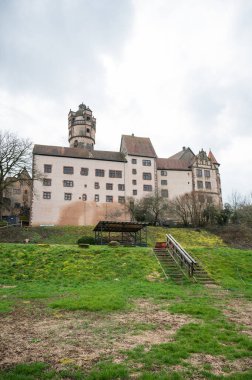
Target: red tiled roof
pixel 137 146
pixel 172 164
pixel 47 150
pixel 185 154
pixel 212 158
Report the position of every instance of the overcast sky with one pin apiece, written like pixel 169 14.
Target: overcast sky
pixel 177 71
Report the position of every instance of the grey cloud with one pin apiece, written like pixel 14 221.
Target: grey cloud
pixel 49 46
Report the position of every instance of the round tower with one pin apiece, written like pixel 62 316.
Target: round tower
pixel 81 128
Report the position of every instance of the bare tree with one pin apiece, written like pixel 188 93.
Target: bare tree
pixel 190 209
pixel 152 208
pixel 15 154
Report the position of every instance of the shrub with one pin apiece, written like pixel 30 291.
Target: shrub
pixel 3 223
pixel 114 243
pixel 86 240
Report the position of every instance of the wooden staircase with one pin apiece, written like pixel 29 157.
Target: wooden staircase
pixel 170 267
pixel 174 268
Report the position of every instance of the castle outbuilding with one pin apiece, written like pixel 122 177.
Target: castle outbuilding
pixel 82 185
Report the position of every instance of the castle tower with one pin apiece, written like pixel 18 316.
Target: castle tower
pixel 81 128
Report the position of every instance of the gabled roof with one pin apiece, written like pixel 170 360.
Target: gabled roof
pixel 173 164
pixel 212 158
pixel 185 154
pixel 47 150
pixel 137 146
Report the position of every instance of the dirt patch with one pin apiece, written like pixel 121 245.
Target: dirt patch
pixel 239 311
pixel 220 365
pixel 83 338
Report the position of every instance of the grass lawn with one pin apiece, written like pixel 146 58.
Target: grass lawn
pixel 108 313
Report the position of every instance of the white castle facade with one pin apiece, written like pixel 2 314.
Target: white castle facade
pixel 82 185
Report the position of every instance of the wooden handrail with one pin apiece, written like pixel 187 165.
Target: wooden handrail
pixel 183 256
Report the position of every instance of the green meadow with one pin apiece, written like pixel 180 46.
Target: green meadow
pixel 108 312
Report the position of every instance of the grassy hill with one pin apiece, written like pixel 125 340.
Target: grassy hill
pixel 109 313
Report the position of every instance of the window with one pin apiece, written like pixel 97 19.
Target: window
pixel 207 173
pixel 208 185
pixel 146 162
pixel 163 173
pixel 121 199
pixel 147 188
pixel 84 197
pixel 96 185
pixel 109 198
pixel 163 181
pixel 84 171
pixel 134 192
pixel 200 184
pixel 115 174
pixel 164 193
pixel 134 182
pixel 99 172
pixel 133 160
pixel 16 191
pixel 68 196
pixel 68 183
pixel 96 197
pixel 68 169
pixel 201 198
pixel 199 172
pixel 17 205
pixel 47 182
pixel 147 176
pixel 121 187
pixel 47 168
pixel 109 186
pixel 46 195
pixel 134 171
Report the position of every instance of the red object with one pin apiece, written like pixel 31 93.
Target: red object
pixel 161 244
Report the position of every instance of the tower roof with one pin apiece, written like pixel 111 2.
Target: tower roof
pixel 212 158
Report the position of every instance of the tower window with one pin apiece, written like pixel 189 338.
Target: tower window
pixel 47 182
pixel 147 188
pixel 68 196
pixel 200 184
pixel 46 195
pixel 208 185
pixel 115 174
pixel 164 193
pixel 99 172
pixel 121 187
pixel 199 172
pixel 147 176
pixel 68 169
pixel 68 183
pixel 84 171
pixel 146 162
pixel 47 168
pixel 88 130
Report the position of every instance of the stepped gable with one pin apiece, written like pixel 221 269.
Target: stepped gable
pixel 212 158
pixel 172 164
pixel 185 154
pixel 47 150
pixel 137 146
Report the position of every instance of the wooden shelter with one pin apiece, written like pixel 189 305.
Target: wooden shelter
pixel 127 233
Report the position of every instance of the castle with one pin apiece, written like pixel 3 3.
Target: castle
pixel 82 185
